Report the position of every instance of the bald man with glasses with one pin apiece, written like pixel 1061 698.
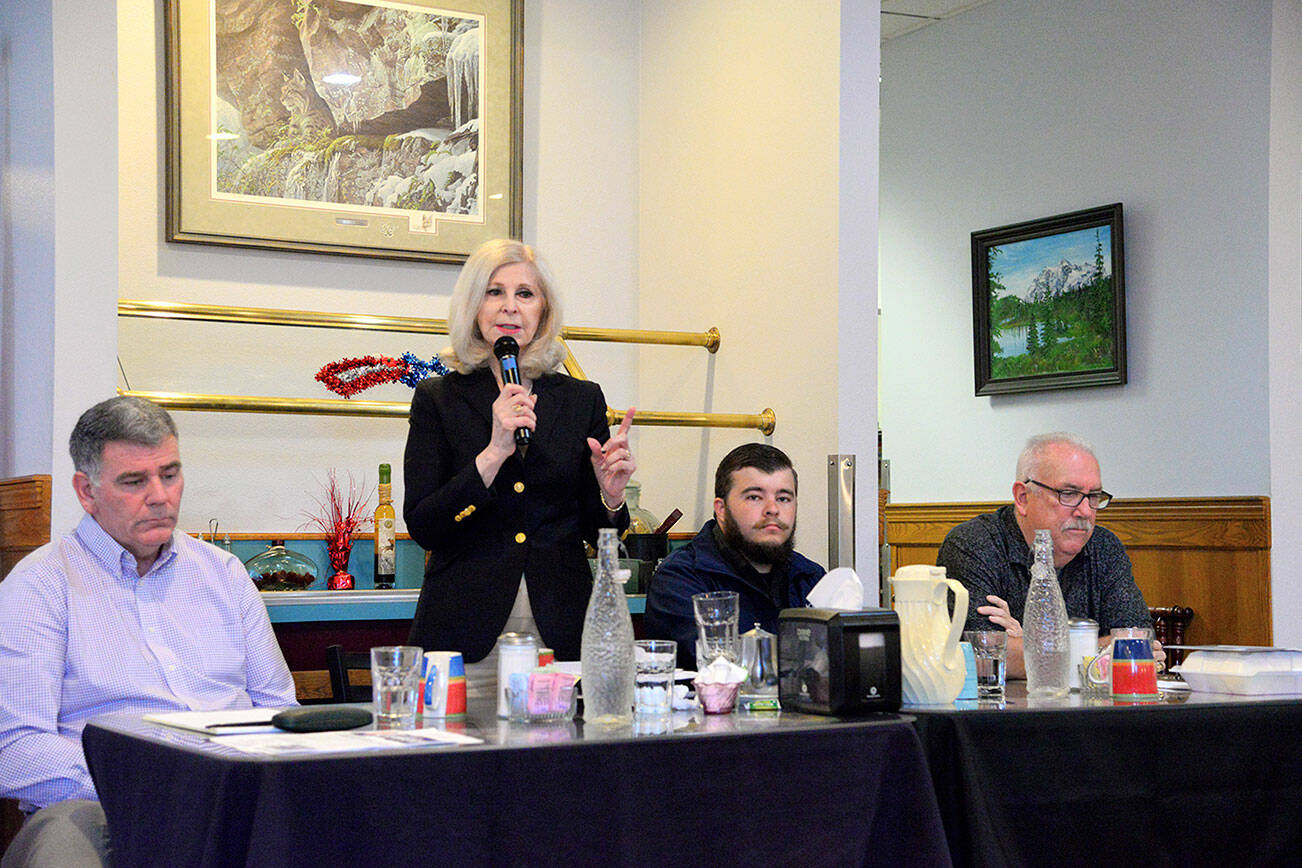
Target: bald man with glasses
pixel 1058 488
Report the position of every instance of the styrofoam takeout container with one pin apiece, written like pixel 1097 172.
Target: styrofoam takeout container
pixel 1244 671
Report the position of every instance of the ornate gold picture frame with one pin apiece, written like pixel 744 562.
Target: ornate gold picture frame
pixel 367 128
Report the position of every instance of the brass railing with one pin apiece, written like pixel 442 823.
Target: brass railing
pixel 410 324
pixel 764 421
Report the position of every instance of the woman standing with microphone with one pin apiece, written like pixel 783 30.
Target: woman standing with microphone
pixel 506 480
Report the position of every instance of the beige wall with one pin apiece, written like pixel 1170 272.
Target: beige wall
pixel 738 229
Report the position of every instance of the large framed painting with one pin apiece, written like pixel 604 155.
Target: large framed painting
pixel 371 128
pixel 1049 303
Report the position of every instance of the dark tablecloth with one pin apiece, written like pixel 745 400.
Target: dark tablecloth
pixel 1199 784
pixel 826 794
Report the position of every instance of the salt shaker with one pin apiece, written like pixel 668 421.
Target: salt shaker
pixel 516 652
pixel 1084 643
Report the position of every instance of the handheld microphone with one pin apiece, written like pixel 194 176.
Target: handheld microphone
pixel 507 351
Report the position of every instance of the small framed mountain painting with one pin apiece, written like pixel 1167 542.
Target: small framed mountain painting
pixel 1048 303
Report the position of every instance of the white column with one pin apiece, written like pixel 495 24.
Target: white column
pixel 85 194
pixel 857 280
pixel 1285 329
pixel 26 236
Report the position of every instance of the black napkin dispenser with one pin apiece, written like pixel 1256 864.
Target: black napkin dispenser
pixel 834 661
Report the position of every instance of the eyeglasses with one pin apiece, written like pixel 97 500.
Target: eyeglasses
pixel 1071 497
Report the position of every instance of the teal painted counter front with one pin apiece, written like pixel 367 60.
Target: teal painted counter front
pixel 398 604
pixel 365 603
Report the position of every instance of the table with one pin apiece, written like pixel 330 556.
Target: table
pixel 1195 780
pixel 762 788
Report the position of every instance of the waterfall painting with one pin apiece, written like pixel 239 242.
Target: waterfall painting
pixel 1048 303
pixel 362 127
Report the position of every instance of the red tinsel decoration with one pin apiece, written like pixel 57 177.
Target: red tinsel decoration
pixel 347 377
pixel 340 519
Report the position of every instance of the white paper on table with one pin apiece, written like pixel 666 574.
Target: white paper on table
pixel 681 701
pixel 232 721
pixel 339 741
pixel 839 589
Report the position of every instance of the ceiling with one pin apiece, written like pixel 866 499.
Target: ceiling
pixel 905 16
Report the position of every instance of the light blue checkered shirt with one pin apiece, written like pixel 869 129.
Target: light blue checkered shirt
pixel 82 635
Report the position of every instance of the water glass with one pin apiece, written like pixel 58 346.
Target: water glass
pixel 990 648
pixel 654 661
pixel 1096 678
pixel 716 626
pixel 395 685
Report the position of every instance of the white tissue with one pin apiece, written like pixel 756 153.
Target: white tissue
pixel 721 671
pixel 839 589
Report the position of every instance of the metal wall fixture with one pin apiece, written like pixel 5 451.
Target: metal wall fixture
pixel 765 421
pixel 840 510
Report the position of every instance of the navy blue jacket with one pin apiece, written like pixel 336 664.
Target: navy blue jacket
pixel 700 566
pixel 533 519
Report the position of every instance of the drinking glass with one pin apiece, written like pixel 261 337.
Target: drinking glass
pixel 716 626
pixel 654 661
pixel 990 649
pixel 395 683
pixel 1138 633
pixel 1134 671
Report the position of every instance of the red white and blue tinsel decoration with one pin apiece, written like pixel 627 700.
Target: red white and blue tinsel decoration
pixel 347 377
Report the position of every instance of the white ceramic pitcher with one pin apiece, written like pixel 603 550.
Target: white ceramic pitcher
pixel 932 664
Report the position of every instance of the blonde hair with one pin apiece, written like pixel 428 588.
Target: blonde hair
pixel 469 350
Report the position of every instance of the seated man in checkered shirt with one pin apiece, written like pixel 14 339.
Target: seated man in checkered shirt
pixel 1059 488
pixel 126 613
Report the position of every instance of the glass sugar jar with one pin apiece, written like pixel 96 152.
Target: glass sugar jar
pixel 280 569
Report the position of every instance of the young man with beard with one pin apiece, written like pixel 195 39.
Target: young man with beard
pixel 747 547
pixel 1058 488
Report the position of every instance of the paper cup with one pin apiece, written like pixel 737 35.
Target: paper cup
pixel 444 692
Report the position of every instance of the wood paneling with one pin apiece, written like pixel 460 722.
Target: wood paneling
pixel 304 643
pixel 1211 554
pixel 313 685
pixel 24 526
pixel 24 518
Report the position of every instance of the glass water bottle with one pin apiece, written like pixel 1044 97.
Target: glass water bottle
pixel 606 656
pixel 1046 640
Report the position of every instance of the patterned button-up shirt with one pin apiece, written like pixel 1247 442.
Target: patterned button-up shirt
pixel 81 634
pixel 989 555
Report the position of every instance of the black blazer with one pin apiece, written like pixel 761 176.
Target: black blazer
pixel 533 519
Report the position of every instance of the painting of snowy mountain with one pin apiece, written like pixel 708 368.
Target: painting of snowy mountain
pixel 1051 302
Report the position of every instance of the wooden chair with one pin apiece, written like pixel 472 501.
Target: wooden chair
pixel 1169 625
pixel 24 527
pixel 11 820
pixel 340 663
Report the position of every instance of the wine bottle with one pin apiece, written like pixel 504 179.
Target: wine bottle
pixel 384 529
